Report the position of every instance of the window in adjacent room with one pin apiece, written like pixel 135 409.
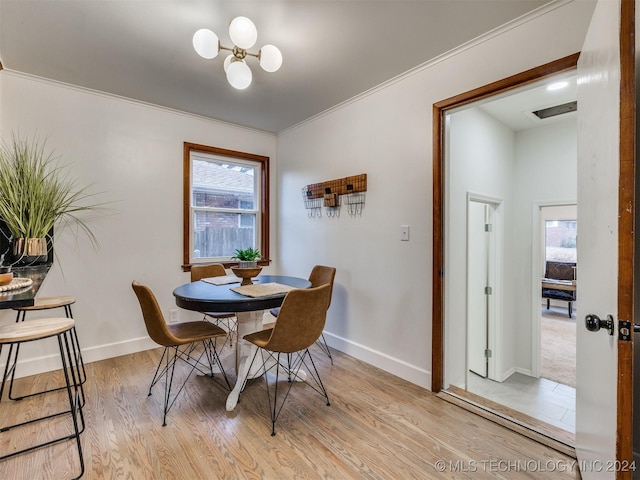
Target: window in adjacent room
pixel 560 240
pixel 226 198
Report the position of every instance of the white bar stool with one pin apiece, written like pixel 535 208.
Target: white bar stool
pixel 48 303
pixel 21 332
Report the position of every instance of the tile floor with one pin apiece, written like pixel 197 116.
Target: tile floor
pixel 539 398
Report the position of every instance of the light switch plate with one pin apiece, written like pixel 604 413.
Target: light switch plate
pixel 404 233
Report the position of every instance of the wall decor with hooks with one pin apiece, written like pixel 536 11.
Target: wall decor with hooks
pixel 313 205
pixel 333 194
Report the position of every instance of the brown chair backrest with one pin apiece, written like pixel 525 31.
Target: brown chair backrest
pixel 560 270
pixel 207 271
pixel 321 275
pixel 153 318
pixel 301 319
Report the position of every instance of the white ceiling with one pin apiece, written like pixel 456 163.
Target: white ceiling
pixel 333 50
pixel 515 108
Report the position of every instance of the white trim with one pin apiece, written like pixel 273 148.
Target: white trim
pixel 49 363
pixel 495 338
pixel 400 368
pixel 536 275
pixel 129 100
pixel 523 371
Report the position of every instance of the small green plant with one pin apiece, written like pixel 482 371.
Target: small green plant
pixel 247 255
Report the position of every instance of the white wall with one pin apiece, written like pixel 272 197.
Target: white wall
pixel 381 311
pixel 133 153
pixel 546 174
pixel 525 170
pixel 480 162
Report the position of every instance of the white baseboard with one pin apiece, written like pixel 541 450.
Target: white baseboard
pixel 397 367
pixel 524 371
pixel 33 366
pixel 404 370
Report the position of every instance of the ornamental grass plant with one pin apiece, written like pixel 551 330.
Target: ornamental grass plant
pixel 37 192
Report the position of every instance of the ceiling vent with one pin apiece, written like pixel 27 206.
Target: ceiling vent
pixel 557 110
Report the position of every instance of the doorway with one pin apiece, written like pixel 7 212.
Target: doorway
pixel 558 310
pixel 519 286
pixel 484 227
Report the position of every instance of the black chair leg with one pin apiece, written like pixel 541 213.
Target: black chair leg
pixel 322 343
pixel 21 317
pixel 292 367
pixel 71 371
pixel 167 365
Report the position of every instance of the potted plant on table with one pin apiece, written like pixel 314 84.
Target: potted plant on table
pixel 247 264
pixel 36 193
pixel 247 258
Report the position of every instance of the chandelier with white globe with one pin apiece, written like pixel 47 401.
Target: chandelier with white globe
pixel 243 34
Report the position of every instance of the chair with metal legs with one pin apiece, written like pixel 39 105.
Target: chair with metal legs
pixel 320 275
pixel 226 319
pixel 14 335
pixel 177 340
pixel 49 303
pixel 285 347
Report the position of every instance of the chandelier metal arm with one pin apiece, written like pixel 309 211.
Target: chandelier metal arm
pixel 238 53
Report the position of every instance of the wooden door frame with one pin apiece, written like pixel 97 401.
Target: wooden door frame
pixel 626 215
pixel 626 239
pixel 439 111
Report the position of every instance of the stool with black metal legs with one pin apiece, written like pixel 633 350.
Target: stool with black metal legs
pixel 48 303
pixel 15 334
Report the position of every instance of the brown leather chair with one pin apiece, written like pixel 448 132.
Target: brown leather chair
pixel 174 336
pixel 560 271
pixel 226 319
pixel 299 325
pixel 319 275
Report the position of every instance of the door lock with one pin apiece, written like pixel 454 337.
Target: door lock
pixel 625 330
pixel 594 324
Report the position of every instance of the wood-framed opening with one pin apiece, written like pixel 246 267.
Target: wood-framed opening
pixel 439 112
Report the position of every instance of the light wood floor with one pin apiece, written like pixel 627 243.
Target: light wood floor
pixel 377 427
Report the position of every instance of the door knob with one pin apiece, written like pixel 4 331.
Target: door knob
pixel 593 323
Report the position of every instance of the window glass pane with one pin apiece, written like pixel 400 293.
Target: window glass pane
pixel 218 234
pixel 560 240
pixel 247 221
pixel 216 184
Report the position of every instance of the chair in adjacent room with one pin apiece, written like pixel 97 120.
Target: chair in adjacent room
pixel 563 272
pixel 16 334
pixel 178 340
pixel 299 325
pixel 224 319
pixel 320 275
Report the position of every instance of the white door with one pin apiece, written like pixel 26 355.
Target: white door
pixel 477 284
pixel 605 253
